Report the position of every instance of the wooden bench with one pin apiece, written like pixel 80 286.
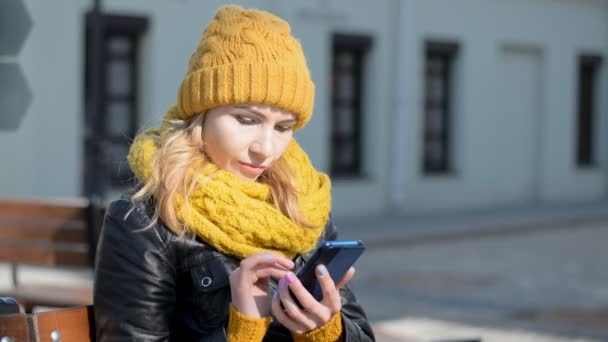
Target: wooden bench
pixel 74 324
pixel 53 235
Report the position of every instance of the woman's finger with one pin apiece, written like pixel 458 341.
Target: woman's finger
pixel 269 272
pixel 280 315
pixel 247 286
pixel 290 306
pixel 331 296
pixel 264 260
pixel 301 294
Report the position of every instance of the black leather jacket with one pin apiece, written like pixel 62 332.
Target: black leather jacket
pixel 151 285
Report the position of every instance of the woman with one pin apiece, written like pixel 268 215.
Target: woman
pixel 229 207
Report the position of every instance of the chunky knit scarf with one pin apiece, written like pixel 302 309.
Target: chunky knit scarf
pixel 235 215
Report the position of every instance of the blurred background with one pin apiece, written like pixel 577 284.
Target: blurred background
pixel 466 140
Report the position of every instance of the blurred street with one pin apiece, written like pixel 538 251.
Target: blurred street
pixel 524 275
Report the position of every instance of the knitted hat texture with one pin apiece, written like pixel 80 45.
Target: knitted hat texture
pixel 247 57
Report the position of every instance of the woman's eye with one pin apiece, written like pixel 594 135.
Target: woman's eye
pixel 245 120
pixel 282 129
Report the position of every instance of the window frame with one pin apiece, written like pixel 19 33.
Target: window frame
pixel 359 46
pixel 99 167
pixel 588 78
pixel 446 52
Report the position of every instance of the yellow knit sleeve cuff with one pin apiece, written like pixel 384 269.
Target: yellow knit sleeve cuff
pixel 243 328
pixel 330 332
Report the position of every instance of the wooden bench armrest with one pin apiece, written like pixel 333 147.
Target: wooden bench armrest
pixel 74 324
pixel 15 327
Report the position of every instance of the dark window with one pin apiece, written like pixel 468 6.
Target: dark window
pixel 588 72
pixel 438 78
pixel 349 54
pixel 114 123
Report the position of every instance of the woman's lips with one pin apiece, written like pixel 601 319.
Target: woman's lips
pixel 252 168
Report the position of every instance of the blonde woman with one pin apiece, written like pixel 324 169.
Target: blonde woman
pixel 229 205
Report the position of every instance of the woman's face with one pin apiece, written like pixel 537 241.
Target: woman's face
pixel 247 139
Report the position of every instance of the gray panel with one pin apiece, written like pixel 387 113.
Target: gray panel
pixel 15 96
pixel 15 24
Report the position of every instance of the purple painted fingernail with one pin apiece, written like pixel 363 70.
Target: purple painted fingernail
pixel 290 277
pixel 267 256
pixel 282 283
pixel 321 269
pixel 276 295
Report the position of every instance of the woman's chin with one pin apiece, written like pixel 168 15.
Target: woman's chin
pixel 245 176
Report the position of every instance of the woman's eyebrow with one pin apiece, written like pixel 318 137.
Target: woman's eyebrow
pixel 288 121
pixel 251 111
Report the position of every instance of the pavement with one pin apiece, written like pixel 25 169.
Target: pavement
pixel 393 228
pixel 511 274
pixel 515 274
pixel 428 330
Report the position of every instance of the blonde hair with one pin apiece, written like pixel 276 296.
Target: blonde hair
pixel 182 149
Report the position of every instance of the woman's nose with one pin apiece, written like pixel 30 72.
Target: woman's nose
pixel 263 144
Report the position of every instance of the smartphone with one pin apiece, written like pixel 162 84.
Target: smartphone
pixel 337 256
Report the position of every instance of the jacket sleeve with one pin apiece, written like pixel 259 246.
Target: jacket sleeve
pixel 134 292
pixel 354 322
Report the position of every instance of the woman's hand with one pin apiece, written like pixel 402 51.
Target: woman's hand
pixel 313 314
pixel 249 282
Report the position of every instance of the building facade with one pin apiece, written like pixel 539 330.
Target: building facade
pixel 421 105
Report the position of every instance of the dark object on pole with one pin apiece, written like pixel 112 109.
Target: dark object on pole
pixel 94 167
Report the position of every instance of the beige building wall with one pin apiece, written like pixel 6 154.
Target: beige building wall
pixel 515 97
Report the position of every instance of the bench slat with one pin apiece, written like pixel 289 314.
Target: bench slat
pixel 55 233
pixel 49 233
pixel 43 210
pixel 45 256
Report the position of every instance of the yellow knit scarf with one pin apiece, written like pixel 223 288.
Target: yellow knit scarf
pixel 235 215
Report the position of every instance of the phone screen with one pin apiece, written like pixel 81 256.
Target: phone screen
pixel 337 256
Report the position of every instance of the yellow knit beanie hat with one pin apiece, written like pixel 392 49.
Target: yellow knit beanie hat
pixel 247 56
